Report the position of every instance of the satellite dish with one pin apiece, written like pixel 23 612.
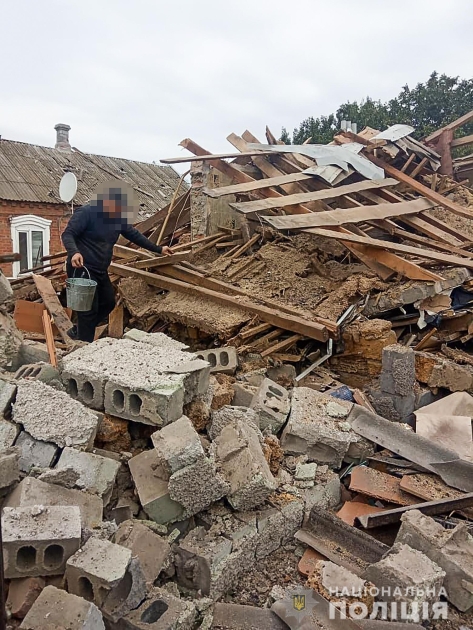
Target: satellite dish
pixel 68 187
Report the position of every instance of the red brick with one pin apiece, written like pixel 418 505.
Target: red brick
pixel 22 594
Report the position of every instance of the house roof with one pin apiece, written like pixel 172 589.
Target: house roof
pixel 29 172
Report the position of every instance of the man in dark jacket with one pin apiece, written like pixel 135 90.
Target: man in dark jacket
pixel 89 238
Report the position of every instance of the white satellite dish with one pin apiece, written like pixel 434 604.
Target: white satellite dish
pixel 68 187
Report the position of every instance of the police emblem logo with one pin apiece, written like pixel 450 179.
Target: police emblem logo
pixel 298 602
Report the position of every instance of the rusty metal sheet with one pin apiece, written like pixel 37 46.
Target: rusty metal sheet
pixel 379 485
pixel 392 435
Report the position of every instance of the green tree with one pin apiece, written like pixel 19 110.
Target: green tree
pixel 427 107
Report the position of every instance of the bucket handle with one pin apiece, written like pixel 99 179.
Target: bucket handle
pixel 74 274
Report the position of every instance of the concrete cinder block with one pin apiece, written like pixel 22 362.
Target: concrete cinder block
pixel 9 467
pixel 97 568
pixel 97 474
pixel 197 486
pixel 87 390
pixel 11 340
pixel 272 404
pixel 241 461
pixel 38 540
pixel 152 490
pixel 317 427
pixel 35 453
pixel 158 407
pixel 398 374
pixel 221 359
pixel 7 394
pixel 31 491
pixel 404 568
pixel 152 550
pixel 325 493
pixel 142 381
pixel 227 415
pixel 177 445
pixel 52 416
pixel 450 549
pixel 160 611
pixel 39 371
pixel 55 607
pixel 393 406
pixel 8 433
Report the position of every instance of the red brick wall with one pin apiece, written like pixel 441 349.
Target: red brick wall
pixel 58 214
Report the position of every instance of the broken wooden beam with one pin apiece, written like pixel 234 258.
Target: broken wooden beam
pixel 442 258
pixel 341 216
pixel 293 323
pixel 51 302
pixel 317 195
pixel 159 261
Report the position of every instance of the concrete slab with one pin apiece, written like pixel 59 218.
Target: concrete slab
pixel 52 416
pixel 237 617
pixel 7 394
pixel 227 414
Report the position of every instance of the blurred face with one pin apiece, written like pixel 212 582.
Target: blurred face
pixel 112 207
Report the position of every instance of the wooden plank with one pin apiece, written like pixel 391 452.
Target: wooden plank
pixel 28 317
pixel 342 216
pixel 159 261
pixel 415 171
pixel 51 301
pixel 287 322
pixel 48 333
pixel 395 247
pixel 281 345
pixel 317 195
pixel 405 267
pixel 431 230
pixel 257 184
pixel 115 322
pixel 254 239
pixel 415 238
pixel 215 156
pixel 461 142
pixel 121 251
pixel 423 190
pixel 252 332
pixel 408 162
pixel 459 122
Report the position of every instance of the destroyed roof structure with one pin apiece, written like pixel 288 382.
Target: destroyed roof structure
pixel 274 428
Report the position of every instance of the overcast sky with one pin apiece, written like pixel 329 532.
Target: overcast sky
pixel 134 77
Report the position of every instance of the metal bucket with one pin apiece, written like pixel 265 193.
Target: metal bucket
pixel 80 292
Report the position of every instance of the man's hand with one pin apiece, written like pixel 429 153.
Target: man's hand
pixel 77 260
pixel 166 251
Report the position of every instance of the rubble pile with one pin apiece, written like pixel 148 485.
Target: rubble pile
pixel 275 427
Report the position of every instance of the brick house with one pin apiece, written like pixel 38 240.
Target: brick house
pixel 33 217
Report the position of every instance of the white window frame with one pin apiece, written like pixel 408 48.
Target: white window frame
pixel 29 223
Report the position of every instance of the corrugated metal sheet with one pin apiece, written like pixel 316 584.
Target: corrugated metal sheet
pixel 32 173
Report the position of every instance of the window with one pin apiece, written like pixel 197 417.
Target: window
pixel 30 236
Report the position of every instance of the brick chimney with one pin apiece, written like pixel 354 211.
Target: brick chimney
pixel 62 137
